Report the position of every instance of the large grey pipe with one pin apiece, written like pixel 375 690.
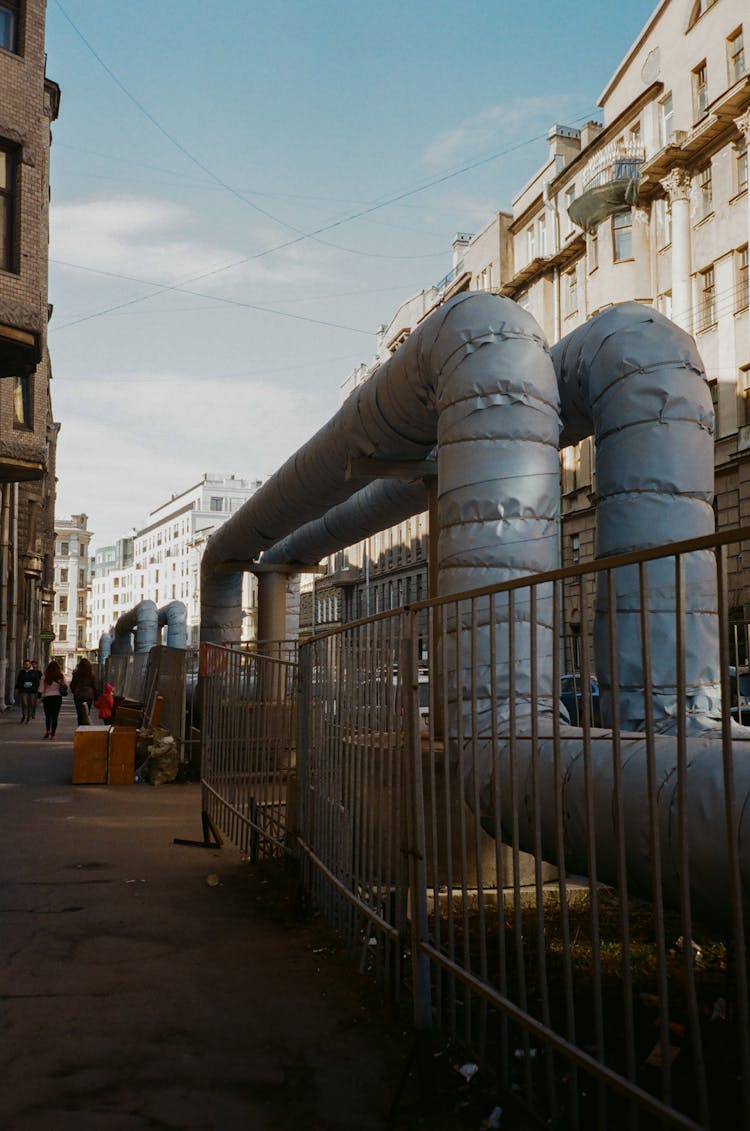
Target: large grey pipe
pixel 483 353
pixel 636 382
pixel 476 378
pixel 143 620
pixel 174 616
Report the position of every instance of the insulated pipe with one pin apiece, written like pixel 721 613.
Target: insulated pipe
pixel 383 503
pixel 475 377
pixel 476 354
pixel 174 616
pixel 635 381
pixel 105 647
pixel 144 621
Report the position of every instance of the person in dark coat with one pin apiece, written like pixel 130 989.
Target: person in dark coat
pixel 85 691
pixel 27 685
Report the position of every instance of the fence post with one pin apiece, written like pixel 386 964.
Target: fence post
pixel 414 830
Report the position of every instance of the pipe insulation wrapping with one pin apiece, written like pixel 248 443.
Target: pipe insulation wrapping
pixel 636 382
pixel 450 362
pixel 477 379
pixel 143 620
pixel 174 616
pixel 549 775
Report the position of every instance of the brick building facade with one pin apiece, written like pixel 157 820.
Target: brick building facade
pixel 28 435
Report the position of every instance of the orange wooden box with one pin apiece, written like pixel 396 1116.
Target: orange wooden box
pixel 90 749
pixel 121 767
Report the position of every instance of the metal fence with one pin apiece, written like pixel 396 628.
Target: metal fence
pixel 557 902
pixel 248 724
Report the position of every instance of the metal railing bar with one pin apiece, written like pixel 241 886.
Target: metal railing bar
pixel 571 1052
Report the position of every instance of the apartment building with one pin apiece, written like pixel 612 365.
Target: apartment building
pixel 650 204
pixel 161 562
pixel 28 105
pixel 112 593
pixel 72 582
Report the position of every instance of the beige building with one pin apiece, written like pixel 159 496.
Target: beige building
pixel 652 204
pixel 71 615
pixel 28 104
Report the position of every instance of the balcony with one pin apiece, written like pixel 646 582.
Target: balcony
pixel 611 185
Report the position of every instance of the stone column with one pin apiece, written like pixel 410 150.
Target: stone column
pixel 677 186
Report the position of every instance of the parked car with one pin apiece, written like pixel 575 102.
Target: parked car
pixel 571 697
pixel 739 690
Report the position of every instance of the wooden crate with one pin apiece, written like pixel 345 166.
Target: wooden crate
pixel 121 762
pixel 90 750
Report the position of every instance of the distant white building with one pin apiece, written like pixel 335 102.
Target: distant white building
pixel 165 556
pixel 111 587
pixel 70 614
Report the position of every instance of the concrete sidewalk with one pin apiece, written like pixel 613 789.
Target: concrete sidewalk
pixel 134 994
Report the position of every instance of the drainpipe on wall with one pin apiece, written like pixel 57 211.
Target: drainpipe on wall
pixel 5 702
pixel 13 608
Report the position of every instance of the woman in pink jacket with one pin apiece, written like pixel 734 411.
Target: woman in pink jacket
pixel 51 692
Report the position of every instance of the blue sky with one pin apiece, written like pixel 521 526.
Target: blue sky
pixel 242 193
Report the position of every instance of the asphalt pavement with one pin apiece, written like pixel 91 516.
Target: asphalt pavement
pixel 147 984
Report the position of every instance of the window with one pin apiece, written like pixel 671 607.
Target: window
pixel 570 195
pixel 593 250
pixel 664 304
pixel 705 193
pixel 666 120
pixel 742 170
pixel 743 389
pixel 9 25
pixel 8 195
pixel 571 292
pixel 743 294
pixel 735 56
pixel 63 576
pixel 700 90
pixel 81 578
pixel 79 636
pixel 543 250
pixel 575 547
pixel 530 243
pixel 23 416
pixel 64 549
pixel 700 7
pixel 622 236
pixel 63 604
pixel 664 221
pixel 62 632
pixel 215 504
pixel 707 299
pixel 713 386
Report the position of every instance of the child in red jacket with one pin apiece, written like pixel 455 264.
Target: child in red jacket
pixel 105 704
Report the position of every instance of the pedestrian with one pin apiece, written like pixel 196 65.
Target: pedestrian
pixel 38 673
pixel 51 690
pixel 85 691
pixel 105 704
pixel 27 685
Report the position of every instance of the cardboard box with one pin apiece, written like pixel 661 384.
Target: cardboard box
pixel 121 760
pixel 90 752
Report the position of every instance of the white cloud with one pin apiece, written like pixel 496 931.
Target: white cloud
pixel 155 240
pixel 127 444
pixel 492 128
